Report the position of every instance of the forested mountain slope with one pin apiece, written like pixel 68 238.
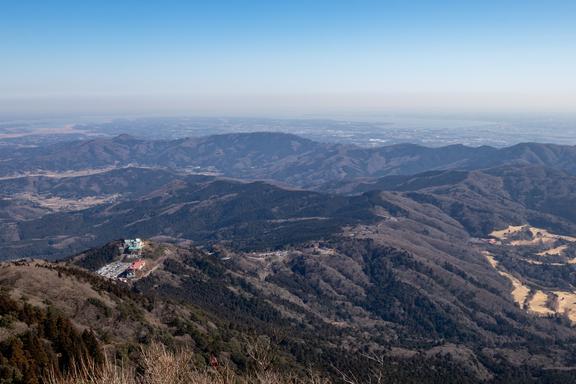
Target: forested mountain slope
pixel 323 306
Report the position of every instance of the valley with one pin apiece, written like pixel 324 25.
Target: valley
pixel 449 259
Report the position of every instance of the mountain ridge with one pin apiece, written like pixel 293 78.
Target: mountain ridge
pixel 282 157
pixel 466 268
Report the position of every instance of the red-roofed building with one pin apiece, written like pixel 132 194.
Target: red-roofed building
pixel 138 265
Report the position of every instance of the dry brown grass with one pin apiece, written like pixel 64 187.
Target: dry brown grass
pixel 161 366
pixel 539 304
pixel 520 291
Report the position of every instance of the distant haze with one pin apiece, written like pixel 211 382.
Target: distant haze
pixel 287 58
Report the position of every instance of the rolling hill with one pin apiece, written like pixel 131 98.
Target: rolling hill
pixel 279 157
pixel 448 262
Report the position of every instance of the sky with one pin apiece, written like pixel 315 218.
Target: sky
pixel 286 57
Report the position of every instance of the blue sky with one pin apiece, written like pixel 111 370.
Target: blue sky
pixel 287 56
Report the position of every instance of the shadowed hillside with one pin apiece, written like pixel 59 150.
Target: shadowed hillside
pixel 489 199
pixel 200 209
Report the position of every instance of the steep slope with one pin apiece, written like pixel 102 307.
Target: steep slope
pixel 197 301
pixel 36 342
pixel 412 280
pixel 409 286
pixel 365 295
